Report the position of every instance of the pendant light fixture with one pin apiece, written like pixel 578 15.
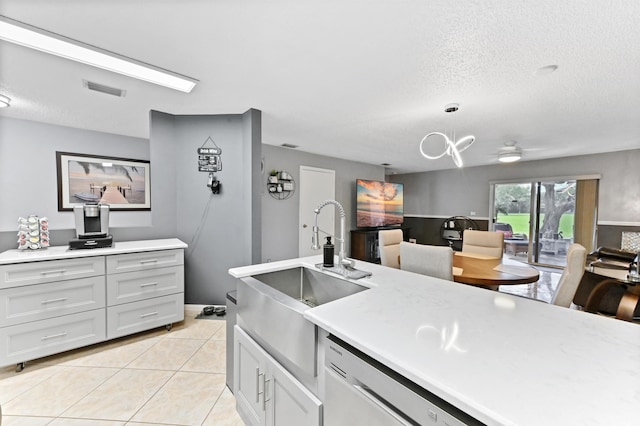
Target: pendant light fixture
pixel 5 101
pixel 451 146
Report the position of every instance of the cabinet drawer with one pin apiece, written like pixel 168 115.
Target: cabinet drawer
pixel 41 301
pixel 139 316
pixel 18 274
pixel 32 340
pixel 143 261
pixel 134 286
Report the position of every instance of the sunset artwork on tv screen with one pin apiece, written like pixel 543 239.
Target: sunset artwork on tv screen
pixel 379 203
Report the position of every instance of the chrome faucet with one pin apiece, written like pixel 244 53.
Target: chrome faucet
pixel 343 261
pixel 346 266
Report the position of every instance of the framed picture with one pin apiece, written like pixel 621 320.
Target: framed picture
pixel 122 183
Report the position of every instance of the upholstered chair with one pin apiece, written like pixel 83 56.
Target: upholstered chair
pixel 435 261
pixel 389 242
pixel 483 242
pixel 568 284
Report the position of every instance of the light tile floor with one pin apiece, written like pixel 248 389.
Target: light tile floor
pixel 151 378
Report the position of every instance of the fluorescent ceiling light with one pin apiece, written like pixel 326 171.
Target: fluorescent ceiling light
pixel 45 41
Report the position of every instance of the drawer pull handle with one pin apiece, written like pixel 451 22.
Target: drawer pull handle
pixel 53 336
pixel 149 261
pixel 149 314
pixel 149 284
pixel 56 271
pixel 61 299
pixel 258 374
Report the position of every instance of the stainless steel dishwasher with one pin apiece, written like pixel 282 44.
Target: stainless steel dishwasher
pixel 361 391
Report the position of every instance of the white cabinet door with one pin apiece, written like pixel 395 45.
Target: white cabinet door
pixel 31 340
pixel 143 261
pixel 248 378
pixel 266 393
pixel 28 303
pixel 20 274
pixel 289 403
pixel 141 285
pixel 133 317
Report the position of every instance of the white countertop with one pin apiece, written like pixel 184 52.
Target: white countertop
pixel 63 252
pixel 503 359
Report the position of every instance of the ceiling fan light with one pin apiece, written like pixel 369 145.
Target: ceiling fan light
pixel 509 157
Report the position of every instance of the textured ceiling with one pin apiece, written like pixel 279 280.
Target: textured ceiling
pixel 360 80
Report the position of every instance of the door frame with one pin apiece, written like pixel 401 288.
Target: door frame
pixel 533 215
pixel 326 221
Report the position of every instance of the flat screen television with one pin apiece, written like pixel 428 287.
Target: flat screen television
pixel 379 203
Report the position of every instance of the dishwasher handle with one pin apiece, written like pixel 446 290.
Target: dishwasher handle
pixel 385 406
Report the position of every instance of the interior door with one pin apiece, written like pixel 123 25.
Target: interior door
pixel 316 186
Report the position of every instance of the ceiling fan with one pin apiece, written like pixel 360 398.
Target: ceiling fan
pixel 511 152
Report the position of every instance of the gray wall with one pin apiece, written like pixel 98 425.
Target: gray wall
pixel 461 191
pixel 220 228
pixel 280 217
pixel 28 183
pixel 228 235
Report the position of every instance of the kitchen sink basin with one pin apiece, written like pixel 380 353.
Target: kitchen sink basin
pixel 309 287
pixel 271 310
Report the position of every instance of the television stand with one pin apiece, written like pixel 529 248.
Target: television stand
pixel 364 242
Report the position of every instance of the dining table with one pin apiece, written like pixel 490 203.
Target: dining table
pixel 487 271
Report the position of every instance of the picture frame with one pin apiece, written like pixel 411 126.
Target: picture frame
pixel 123 183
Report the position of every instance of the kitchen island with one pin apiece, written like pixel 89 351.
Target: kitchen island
pixel 501 359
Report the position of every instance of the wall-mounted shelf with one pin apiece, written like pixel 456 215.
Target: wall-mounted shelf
pixel 281 185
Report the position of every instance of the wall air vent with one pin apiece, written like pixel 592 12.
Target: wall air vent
pixel 96 87
pixel 288 145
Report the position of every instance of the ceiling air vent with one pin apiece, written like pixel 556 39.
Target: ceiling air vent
pixel 96 87
pixel 288 145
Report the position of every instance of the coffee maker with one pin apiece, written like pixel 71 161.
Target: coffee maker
pixel 92 227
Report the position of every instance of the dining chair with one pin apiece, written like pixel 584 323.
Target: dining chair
pixel 435 261
pixel 389 242
pixel 571 276
pixel 483 242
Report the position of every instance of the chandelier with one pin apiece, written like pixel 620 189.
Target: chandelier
pixel 451 146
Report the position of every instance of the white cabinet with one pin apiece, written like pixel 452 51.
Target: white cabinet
pixel 42 301
pixel 144 290
pixel 55 299
pixel 36 339
pixel 141 285
pixel 266 393
pixel 144 260
pixel 143 315
pixel 19 274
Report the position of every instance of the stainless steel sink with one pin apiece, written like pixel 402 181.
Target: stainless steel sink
pixel 309 287
pixel 271 309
